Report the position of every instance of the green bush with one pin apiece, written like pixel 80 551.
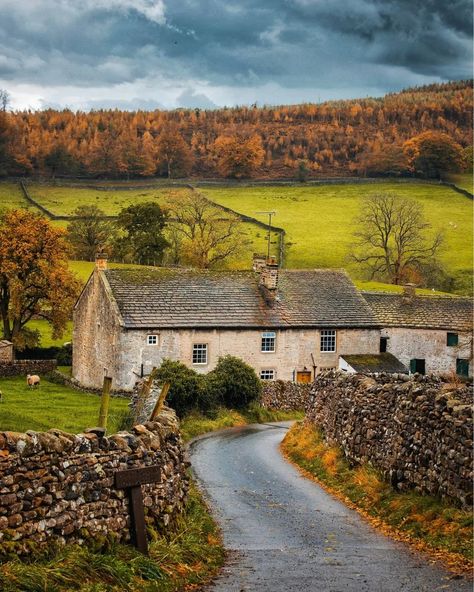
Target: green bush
pixel 233 383
pixel 188 388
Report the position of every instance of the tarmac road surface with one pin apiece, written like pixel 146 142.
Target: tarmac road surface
pixel 285 533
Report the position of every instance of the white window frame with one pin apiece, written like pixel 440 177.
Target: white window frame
pixel 267 338
pixel 328 337
pixel 152 339
pixel 198 350
pixel 271 374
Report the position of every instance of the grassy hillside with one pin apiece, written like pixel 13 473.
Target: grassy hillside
pixel 319 220
pixel 64 200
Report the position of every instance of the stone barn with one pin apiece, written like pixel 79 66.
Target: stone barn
pixel 428 334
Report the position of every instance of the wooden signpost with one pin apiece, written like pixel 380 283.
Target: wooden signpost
pixel 132 480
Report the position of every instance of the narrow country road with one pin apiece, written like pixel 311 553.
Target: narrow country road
pixel 287 534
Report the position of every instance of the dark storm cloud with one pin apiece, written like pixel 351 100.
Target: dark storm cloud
pixel 292 44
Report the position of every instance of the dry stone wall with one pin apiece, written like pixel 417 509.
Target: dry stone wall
pixel 283 395
pixel 57 487
pixel 416 429
pixel 24 367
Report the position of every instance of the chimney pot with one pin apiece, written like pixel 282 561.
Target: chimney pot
pixel 101 261
pixel 409 292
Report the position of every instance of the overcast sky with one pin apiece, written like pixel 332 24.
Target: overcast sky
pixel 203 53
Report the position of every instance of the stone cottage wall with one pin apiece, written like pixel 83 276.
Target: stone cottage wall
pixel 417 430
pixel 57 487
pixel 281 395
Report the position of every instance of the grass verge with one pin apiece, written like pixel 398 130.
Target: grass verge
pixel 430 525
pixel 196 424
pixel 185 558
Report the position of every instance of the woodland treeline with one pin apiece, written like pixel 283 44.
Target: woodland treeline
pixel 336 138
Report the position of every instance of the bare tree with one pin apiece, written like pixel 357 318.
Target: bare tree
pixel 4 99
pixel 209 234
pixel 391 240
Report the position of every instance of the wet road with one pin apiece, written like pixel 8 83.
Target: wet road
pixel 287 534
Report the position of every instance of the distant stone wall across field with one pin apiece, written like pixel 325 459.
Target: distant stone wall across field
pixel 417 430
pixel 24 367
pixel 57 487
pixel 283 395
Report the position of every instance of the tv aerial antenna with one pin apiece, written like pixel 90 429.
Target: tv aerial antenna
pixel 270 215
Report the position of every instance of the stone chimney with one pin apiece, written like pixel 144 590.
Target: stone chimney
pixel 269 279
pixel 409 292
pixel 101 261
pixel 259 262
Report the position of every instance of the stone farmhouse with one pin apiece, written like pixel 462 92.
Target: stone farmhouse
pixel 287 324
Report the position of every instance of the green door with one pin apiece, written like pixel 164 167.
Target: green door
pixel 417 365
pixel 462 367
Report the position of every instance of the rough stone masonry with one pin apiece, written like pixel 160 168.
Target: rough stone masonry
pixel 416 429
pixel 57 487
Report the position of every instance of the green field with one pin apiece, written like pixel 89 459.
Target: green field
pixel 11 195
pixel 53 406
pixel 463 180
pixel 319 220
pixel 62 201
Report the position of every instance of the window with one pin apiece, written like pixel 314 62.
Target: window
pixel 452 339
pixel 267 374
pixel 328 341
pixel 417 365
pixel 383 344
pixel 152 340
pixel 200 353
pixel 268 341
pixel 462 367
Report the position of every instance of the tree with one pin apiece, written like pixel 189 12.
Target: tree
pixel 90 233
pixel 173 153
pixel 392 241
pixel 433 154
pixel 143 239
pixel 59 160
pixel 35 281
pixel 209 235
pixel 238 156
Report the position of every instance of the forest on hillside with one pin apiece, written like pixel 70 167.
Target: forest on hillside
pixel 337 138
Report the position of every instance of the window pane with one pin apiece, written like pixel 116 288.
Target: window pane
pixel 452 339
pixel 200 353
pixel 267 374
pixel 152 339
pixel 268 341
pixel 328 340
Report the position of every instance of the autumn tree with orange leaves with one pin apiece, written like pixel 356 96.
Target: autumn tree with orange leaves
pixel 238 156
pixel 35 281
pixel 173 154
pixel 433 154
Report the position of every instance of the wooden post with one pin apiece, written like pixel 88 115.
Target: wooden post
pixel 161 400
pixel 133 479
pixel 104 402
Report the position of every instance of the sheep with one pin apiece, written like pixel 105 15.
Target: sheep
pixel 32 380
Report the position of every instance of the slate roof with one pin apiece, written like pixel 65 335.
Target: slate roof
pixel 427 312
pixel 161 298
pixel 367 363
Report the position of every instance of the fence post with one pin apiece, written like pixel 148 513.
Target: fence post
pixel 104 402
